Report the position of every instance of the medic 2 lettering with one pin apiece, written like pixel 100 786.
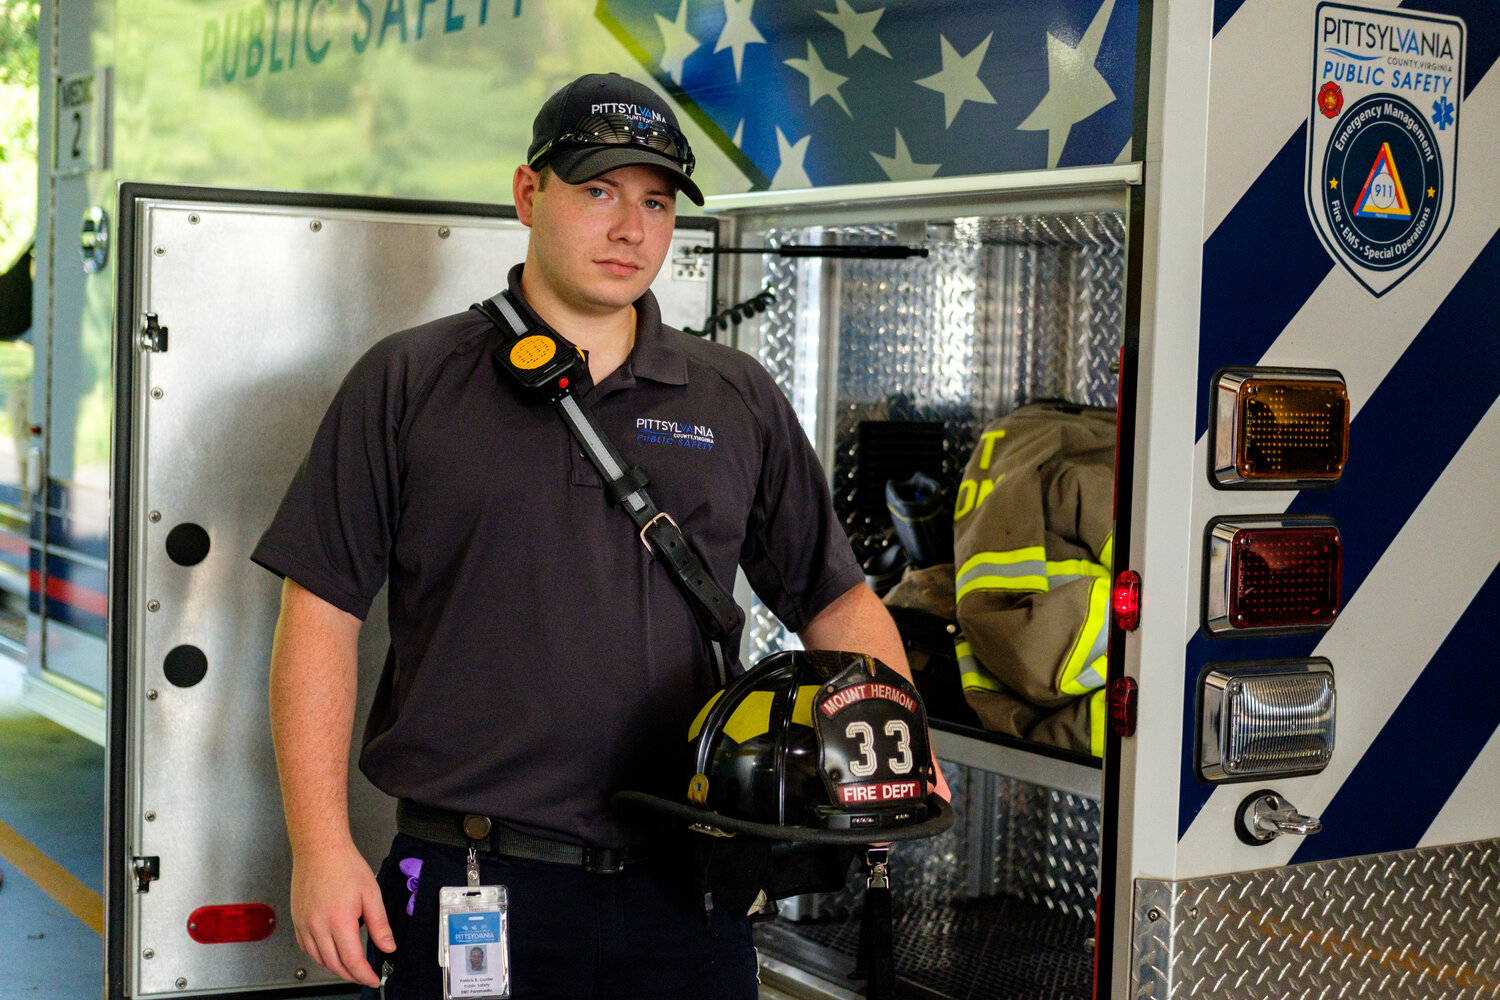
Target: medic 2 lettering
pixel 277 36
pixel 1387 56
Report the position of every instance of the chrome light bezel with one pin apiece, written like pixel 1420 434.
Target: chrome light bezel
pixel 1227 425
pixel 1225 689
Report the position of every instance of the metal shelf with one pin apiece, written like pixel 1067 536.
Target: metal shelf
pixel 1042 765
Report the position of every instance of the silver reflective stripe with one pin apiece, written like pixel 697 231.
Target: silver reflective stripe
pixel 503 304
pixel 586 430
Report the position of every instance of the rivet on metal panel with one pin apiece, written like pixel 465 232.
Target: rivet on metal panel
pixel 148 954
pixel 1153 914
pixel 150 816
pixel 151 695
pixel 301 974
pixel 182 984
pixel 157 393
pixel 443 232
pixel 193 218
pixel 315 225
pixel 153 605
pixel 159 251
pixel 154 516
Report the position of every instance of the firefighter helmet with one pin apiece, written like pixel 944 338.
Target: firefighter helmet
pixel 815 747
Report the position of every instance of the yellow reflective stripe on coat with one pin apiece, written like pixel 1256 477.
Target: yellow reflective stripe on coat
pixel 1018 570
pixel 1107 551
pixel 1098 715
pixel 971 672
pixel 1067 570
pixel 1084 669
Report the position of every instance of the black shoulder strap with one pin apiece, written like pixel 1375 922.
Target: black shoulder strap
pixel 715 611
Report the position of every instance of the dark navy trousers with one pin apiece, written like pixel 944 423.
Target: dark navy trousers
pixel 574 935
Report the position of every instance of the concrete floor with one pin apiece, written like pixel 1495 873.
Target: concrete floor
pixel 51 797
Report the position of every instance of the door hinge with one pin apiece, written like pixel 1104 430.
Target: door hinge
pixel 147 870
pixel 153 335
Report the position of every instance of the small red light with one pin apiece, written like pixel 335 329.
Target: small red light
pixel 232 922
pixel 1285 576
pixel 562 383
pixel 1121 701
pixel 1125 600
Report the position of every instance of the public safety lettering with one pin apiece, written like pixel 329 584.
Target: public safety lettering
pixel 279 36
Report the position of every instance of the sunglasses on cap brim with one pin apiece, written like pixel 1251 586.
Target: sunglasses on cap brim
pixel 623 130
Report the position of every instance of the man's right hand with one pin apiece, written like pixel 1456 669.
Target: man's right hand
pixel 331 892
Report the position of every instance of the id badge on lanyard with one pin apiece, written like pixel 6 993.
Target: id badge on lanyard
pixel 474 938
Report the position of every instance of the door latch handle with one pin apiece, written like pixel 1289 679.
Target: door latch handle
pixel 1265 815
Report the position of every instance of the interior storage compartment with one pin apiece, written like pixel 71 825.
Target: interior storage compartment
pixel 895 365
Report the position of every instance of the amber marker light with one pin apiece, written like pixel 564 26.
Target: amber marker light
pixel 1279 427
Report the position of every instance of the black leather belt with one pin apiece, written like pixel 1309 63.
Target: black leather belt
pixel 456 829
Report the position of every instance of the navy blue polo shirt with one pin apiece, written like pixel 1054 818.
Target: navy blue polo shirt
pixel 540 659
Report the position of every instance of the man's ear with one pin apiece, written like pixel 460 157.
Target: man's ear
pixel 524 186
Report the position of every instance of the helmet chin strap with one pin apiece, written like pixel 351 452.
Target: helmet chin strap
pixel 876 961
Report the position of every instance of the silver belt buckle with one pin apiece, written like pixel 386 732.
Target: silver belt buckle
pixel 647 527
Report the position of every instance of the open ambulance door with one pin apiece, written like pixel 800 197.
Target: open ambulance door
pixel 238 314
pixel 1305 805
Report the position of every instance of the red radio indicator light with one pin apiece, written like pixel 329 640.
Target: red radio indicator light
pixel 231 923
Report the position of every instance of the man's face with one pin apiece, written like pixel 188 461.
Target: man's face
pixel 476 958
pixel 597 246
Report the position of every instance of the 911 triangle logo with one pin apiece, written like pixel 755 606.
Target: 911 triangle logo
pixel 1383 196
pixel 1381 170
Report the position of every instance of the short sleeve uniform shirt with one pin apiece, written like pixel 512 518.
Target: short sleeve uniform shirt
pixel 540 660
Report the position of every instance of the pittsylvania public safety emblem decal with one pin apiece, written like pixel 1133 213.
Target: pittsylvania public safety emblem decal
pixel 1382 137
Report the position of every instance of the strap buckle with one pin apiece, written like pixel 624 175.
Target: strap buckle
pixel 660 515
pixel 603 860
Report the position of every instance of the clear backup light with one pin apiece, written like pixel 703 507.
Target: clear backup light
pixel 1265 720
pixel 1272 573
pixel 1279 427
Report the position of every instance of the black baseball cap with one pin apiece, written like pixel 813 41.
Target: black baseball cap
pixel 603 121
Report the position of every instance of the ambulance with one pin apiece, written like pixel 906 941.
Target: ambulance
pixel 1264 233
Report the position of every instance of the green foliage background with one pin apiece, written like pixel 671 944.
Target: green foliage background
pixel 18 109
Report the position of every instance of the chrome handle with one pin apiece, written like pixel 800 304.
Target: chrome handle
pixel 1265 816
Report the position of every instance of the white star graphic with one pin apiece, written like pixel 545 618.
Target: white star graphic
pixel 1075 89
pixel 790 173
pixel 821 81
pixel 959 80
pixel 677 43
pixel 900 166
pixel 738 32
pixel 858 29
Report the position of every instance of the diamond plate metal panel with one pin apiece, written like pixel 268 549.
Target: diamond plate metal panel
pixel 1412 924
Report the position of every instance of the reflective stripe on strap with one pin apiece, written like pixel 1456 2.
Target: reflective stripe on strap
pixel 1084 669
pixel 1067 570
pixel 971 672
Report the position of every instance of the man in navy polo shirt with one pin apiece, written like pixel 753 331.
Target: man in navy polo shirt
pixel 540 659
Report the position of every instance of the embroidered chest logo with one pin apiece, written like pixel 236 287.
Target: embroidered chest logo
pixel 671 432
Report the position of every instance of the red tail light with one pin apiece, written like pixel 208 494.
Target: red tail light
pixel 1273 573
pixel 231 923
pixel 1121 701
pixel 1125 600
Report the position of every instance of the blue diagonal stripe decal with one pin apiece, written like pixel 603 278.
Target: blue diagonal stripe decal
pixel 1400 443
pixel 1259 267
pixel 1398 788
pixel 1224 10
